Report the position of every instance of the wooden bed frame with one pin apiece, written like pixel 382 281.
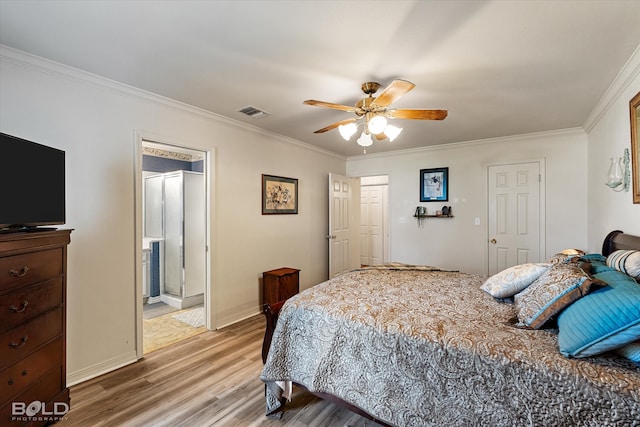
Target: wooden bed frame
pixel 615 240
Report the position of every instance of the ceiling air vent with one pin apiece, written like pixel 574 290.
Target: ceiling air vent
pixel 252 111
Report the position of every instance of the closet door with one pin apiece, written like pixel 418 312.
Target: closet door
pixel 173 226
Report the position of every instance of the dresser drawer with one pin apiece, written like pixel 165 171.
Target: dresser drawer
pixel 26 303
pixel 16 343
pixel 33 267
pixel 18 377
pixel 43 390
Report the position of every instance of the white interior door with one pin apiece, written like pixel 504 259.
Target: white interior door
pixel 373 219
pixel 515 215
pixel 344 220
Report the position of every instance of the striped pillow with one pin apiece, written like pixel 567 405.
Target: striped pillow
pixel 626 261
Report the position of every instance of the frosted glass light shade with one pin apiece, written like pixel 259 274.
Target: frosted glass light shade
pixel 347 131
pixel 377 124
pixel 392 132
pixel 365 140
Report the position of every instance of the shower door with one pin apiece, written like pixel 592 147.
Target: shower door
pixel 173 226
pixel 184 234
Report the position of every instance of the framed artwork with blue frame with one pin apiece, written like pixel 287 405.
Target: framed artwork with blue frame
pixel 434 185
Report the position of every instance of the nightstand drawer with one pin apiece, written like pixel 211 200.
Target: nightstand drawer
pixel 33 267
pixel 23 339
pixel 20 376
pixel 26 303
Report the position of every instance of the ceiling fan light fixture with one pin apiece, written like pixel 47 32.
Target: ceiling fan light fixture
pixel 392 132
pixel 377 124
pixel 347 131
pixel 365 139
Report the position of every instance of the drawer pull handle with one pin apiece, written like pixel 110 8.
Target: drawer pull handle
pixel 24 373
pixel 22 308
pixel 22 342
pixel 11 381
pixel 21 273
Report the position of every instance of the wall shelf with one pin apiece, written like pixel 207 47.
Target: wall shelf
pixel 432 216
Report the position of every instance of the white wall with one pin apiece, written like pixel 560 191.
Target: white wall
pixel 609 131
pixel 95 121
pixel 457 243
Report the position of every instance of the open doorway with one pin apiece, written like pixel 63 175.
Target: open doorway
pixel 174 222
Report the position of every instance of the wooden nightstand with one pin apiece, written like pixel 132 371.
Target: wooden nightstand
pixel 280 284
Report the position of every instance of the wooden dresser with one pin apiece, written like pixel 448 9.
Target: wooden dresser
pixel 280 284
pixel 32 327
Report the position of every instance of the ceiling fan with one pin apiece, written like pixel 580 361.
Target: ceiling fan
pixel 375 113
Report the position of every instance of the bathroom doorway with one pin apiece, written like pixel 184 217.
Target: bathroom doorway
pixel 173 209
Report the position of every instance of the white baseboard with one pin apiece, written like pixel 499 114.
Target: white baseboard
pixel 224 321
pixel 153 300
pixel 90 372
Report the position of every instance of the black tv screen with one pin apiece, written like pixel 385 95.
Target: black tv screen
pixel 32 182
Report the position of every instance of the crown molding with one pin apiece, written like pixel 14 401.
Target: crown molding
pixel 621 82
pixel 56 69
pixel 577 131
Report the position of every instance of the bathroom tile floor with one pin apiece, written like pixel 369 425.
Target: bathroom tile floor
pixel 149 311
pixel 165 329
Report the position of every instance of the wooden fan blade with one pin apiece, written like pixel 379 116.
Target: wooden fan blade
pixel 335 125
pixel 380 136
pixel 418 114
pixel 393 92
pixel 329 105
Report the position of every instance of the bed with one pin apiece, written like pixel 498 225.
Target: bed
pixel 418 346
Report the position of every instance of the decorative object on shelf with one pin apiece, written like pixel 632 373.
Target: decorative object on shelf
pixel 434 185
pixel 634 112
pixel 421 214
pixel 279 195
pixel 618 175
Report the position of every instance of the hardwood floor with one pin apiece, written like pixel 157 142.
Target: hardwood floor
pixel 211 379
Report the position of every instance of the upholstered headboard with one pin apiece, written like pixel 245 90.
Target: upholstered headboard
pixel 618 240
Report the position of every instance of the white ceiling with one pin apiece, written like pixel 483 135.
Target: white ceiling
pixel 499 67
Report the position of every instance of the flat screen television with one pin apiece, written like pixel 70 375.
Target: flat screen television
pixel 33 184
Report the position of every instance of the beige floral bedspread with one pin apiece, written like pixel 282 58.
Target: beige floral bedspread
pixel 429 348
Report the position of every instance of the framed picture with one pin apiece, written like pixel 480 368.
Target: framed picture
pixel 634 109
pixel 279 195
pixel 434 185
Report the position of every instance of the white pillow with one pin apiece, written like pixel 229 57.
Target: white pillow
pixel 626 261
pixel 514 279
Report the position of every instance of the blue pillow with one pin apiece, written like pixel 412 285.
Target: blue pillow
pixel 598 263
pixel 594 257
pixel 604 320
pixel 630 351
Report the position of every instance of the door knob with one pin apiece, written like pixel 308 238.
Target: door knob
pixel 494 241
